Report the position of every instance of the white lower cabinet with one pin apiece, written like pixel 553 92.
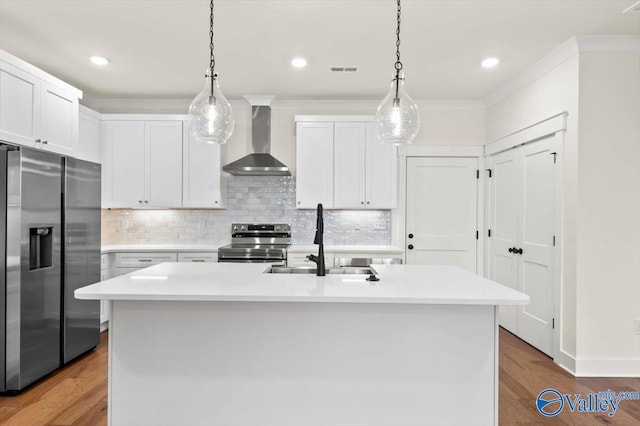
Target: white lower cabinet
pixel 104 304
pixel 198 257
pixel 141 260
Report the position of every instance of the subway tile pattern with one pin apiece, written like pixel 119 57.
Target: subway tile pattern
pixel 249 199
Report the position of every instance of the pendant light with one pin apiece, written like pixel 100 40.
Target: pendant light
pixel 210 115
pixel 397 119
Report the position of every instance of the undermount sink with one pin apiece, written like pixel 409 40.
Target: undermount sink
pixel 312 270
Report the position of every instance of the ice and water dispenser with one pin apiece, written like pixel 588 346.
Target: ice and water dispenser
pixel 40 247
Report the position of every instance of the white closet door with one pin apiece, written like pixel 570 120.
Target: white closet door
pixel 442 211
pixel 535 269
pixel 504 225
pixel 522 218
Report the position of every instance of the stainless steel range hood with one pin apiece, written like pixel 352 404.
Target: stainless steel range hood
pixel 260 162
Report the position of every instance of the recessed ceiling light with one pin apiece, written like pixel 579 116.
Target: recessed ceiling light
pixel 299 62
pixel 99 60
pixel 490 62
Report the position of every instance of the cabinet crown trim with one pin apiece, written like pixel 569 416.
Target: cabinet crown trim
pixel 334 118
pixel 10 59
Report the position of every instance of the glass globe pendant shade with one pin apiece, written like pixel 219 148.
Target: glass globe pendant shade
pixel 397 119
pixel 210 116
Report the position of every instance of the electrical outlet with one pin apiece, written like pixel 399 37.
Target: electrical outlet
pixel 380 226
pixel 636 326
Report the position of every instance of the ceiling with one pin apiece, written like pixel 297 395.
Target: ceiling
pixel 160 48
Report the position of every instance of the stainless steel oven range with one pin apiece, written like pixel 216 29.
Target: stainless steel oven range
pixel 257 243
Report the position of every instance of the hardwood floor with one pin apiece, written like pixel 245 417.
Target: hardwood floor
pixel 77 394
pixel 525 372
pixel 74 395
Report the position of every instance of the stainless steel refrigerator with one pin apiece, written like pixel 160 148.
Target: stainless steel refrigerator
pixel 41 325
pixel 81 256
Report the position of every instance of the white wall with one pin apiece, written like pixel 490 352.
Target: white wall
pixel 601 207
pixel 608 298
pixel 551 93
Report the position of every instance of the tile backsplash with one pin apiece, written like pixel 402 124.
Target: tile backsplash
pixel 250 199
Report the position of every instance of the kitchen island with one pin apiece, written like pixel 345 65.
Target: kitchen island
pixel 227 344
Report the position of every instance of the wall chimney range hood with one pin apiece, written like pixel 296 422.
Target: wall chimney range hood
pixel 260 162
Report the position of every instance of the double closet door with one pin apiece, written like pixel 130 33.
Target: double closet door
pixel 521 244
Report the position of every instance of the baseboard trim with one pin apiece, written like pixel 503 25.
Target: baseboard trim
pixel 597 367
pixel 566 361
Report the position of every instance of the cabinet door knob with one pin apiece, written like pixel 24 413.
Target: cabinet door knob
pixel 140 201
pixel 410 235
pixel 298 202
pixel 410 246
pixel 146 201
pixel 45 142
pixel 511 249
pixel 38 140
pixel 216 201
pixel 519 251
pixel 368 202
pixel 361 202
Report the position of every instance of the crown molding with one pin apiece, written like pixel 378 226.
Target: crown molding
pixel 609 44
pixel 554 58
pixel 181 106
pixel 568 49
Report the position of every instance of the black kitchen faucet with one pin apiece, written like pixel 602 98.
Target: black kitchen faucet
pixel 318 239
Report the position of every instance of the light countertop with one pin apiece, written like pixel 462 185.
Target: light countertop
pixel 213 248
pixel 310 248
pixel 159 248
pixel 408 284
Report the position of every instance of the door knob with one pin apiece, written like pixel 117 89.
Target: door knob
pixel 410 235
pixel 410 246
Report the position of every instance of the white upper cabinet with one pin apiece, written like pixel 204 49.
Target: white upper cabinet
pixel 123 164
pixel 58 120
pixel 200 173
pixel 349 145
pixel 19 105
pixel 314 164
pixel 88 136
pixel 342 164
pixel 37 109
pixel 142 164
pixel 163 163
pixel 381 174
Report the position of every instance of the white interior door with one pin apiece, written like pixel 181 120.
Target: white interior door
pixel 535 266
pixel 521 243
pixel 504 225
pixel 442 209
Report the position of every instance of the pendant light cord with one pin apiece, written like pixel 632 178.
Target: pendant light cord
pixel 398 64
pixel 212 58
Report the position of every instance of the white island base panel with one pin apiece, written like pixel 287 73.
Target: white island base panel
pixel 301 364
